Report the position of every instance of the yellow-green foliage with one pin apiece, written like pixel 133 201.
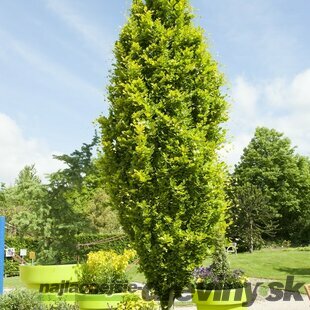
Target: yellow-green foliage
pixel 134 302
pixel 137 305
pixel 104 272
pixel 161 141
pixel 109 260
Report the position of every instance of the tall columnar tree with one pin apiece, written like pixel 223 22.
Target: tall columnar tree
pixel 160 142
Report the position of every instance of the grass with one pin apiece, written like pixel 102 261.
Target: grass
pixel 134 274
pixel 12 282
pixel 273 264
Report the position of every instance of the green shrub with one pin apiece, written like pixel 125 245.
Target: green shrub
pixel 286 244
pixel 21 300
pixel 62 305
pixel 11 268
pixel 118 243
pixel 306 248
pixel 17 242
pixel 132 301
pixel 104 272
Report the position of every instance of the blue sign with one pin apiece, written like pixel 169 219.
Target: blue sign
pixel 2 233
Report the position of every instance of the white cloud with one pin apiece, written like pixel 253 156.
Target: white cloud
pixel 16 151
pixel 291 94
pixel 244 102
pixel 282 104
pixel 300 90
pixel 276 92
pixel 245 96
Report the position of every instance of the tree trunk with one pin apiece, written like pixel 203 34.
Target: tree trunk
pixel 168 304
pixel 251 237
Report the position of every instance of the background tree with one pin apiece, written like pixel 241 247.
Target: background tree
pixel 269 162
pixel 102 216
pixel 251 217
pixel 73 196
pixel 72 202
pixel 24 203
pixel 160 142
pixel 83 189
pixel 301 222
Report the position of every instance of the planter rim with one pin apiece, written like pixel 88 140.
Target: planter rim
pixel 48 266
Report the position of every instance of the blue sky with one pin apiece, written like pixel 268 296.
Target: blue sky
pixel 55 56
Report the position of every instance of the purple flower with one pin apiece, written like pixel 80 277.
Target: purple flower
pixel 202 272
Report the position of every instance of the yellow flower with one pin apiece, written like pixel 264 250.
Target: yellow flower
pixel 107 260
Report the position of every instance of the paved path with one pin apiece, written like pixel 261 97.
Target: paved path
pixel 268 305
pixel 260 303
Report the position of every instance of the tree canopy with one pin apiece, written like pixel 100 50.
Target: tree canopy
pixel 271 164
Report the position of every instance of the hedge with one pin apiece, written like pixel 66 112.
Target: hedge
pixel 11 266
pixel 116 242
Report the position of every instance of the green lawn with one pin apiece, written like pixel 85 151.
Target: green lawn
pixel 135 275
pixel 12 282
pixel 274 264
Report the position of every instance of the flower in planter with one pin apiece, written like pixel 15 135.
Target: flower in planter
pixel 104 272
pixel 219 276
pixel 206 278
pixel 217 286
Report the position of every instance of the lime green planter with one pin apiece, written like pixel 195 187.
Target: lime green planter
pixel 220 300
pixel 98 301
pixel 36 276
pixel 51 298
pixel 54 282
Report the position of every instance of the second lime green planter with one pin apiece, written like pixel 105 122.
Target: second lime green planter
pixel 98 301
pixel 233 299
